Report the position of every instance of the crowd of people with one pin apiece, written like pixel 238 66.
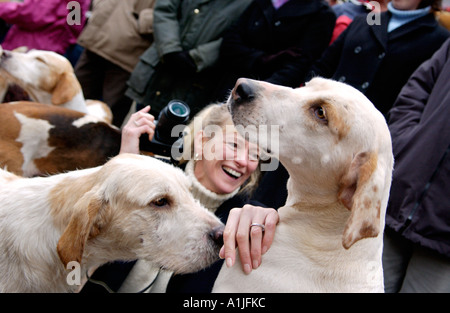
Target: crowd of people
pixel 138 55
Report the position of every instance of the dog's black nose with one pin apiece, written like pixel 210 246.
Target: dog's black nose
pixel 216 235
pixel 243 92
pixel 5 55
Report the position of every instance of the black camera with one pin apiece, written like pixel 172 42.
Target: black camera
pixel 175 113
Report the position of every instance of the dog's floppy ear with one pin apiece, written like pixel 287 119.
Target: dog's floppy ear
pixel 66 89
pixel 81 226
pixel 361 191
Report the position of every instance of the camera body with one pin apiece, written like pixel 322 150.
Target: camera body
pixel 175 113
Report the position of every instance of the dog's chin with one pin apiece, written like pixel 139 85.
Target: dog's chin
pixel 247 123
pixel 238 112
pixel 199 262
pixel 194 257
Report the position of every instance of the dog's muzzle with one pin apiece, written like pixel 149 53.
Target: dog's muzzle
pixel 216 234
pixel 243 92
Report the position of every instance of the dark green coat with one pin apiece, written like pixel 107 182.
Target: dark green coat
pixel 195 26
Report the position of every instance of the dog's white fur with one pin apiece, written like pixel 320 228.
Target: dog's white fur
pixel 48 78
pixel 330 234
pixel 132 207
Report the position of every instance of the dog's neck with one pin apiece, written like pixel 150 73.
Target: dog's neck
pixel 302 192
pixel 309 206
pixel 77 103
pixel 37 95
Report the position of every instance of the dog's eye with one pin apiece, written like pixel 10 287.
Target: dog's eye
pixel 160 202
pixel 320 114
pixel 41 60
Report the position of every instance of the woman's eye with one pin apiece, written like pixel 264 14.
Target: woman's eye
pixel 232 145
pixel 253 156
pixel 160 202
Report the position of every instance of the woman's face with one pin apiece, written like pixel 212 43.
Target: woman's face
pixel 227 160
pixel 406 4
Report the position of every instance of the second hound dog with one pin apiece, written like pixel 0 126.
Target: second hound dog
pixel 48 78
pixel 133 207
pixel 337 149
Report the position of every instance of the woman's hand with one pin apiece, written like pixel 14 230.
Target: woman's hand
pixel 252 241
pixel 139 123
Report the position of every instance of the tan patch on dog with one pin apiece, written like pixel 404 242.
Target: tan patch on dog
pixel 337 121
pixel 368 168
pixel 66 88
pixel 334 119
pixel 80 228
pixel 356 193
pixel 9 146
pixel 62 199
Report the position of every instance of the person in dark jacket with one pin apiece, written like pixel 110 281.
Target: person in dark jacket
pixel 276 43
pixel 182 62
pixel 416 254
pixel 378 59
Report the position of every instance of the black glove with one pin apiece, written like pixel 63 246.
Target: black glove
pixel 180 62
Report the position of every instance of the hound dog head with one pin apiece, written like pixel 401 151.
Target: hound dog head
pixel 46 76
pixel 135 207
pixel 333 142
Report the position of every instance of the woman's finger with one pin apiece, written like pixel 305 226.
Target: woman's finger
pixel 270 224
pixel 228 251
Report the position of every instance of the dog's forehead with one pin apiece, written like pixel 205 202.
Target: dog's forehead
pixel 337 93
pixel 52 59
pixel 146 164
pixel 142 179
pixel 44 54
pixel 149 171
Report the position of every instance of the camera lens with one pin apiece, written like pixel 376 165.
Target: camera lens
pixel 167 132
pixel 178 108
pixel 176 112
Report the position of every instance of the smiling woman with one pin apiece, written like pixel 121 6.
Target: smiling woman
pixel 221 160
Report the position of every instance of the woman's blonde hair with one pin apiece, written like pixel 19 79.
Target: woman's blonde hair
pixel 216 114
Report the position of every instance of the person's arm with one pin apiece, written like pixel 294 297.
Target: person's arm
pixel 145 21
pixel 407 111
pixel 139 123
pixel 30 14
pixel 14 12
pixel 166 27
pixel 166 34
pixel 238 230
pixel 206 55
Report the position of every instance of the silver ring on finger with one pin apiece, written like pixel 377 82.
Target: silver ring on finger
pixel 263 228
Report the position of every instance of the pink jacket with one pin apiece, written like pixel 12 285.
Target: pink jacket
pixel 41 24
